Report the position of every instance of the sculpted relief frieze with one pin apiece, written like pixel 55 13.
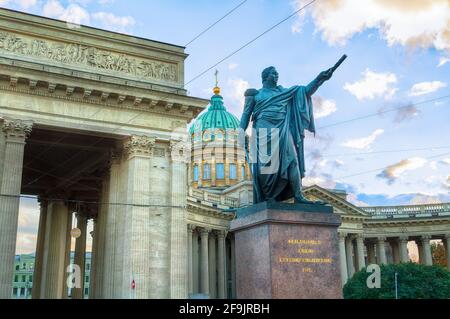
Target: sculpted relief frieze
pixel 76 54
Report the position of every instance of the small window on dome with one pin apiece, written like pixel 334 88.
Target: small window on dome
pixel 206 171
pixel 219 135
pixel 220 171
pixel 195 173
pixel 233 171
pixel 206 136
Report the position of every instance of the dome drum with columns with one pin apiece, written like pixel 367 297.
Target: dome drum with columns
pixel 217 162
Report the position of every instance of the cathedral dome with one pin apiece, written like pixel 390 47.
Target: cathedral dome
pixel 216 122
pixel 216 160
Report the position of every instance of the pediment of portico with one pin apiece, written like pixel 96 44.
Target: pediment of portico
pixel 341 206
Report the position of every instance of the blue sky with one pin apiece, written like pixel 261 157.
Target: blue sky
pixel 399 55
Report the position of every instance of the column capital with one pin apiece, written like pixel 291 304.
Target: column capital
pixel 381 239
pixel 19 129
pixel 447 236
pixel 426 237
pixel 139 145
pixel 204 231
pixel 43 202
pixel 191 228
pixel 114 156
pixel 404 238
pixel 342 236
pixel 359 236
pixel 179 150
pixel 221 233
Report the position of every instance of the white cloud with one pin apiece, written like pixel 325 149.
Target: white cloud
pixel 364 142
pixel 24 4
pixel 424 88
pixel 373 85
pixel 27 227
pixel 323 107
pixel 446 183
pixel 320 181
pixel 238 88
pixel 232 66
pixel 443 60
pixel 393 172
pixel 419 23
pixel 74 15
pixel 113 22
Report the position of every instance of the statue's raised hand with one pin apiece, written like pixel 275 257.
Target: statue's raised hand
pixel 326 75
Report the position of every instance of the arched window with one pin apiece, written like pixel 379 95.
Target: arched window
pixel 206 171
pixel 219 135
pixel 220 171
pixel 195 173
pixel 233 171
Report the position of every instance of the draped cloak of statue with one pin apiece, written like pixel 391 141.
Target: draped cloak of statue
pixel 290 111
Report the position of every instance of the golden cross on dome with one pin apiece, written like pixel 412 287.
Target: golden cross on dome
pixel 217 77
pixel 217 89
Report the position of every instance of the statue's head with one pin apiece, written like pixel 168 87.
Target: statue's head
pixel 270 75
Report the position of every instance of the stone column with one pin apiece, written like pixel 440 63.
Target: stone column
pixel 381 250
pixel 371 258
pixel 420 251
pixel 54 275
pixel 428 260
pixel 178 222
pixel 195 262
pixel 10 185
pixel 93 272
pixel 395 251
pixel 403 247
pixel 212 266
pixel 100 233
pixel 360 252
pixel 343 258
pixel 200 172
pixel 111 211
pixel 233 268
pixel 447 249
pixel 204 269
pixel 80 254
pixel 2 149
pixel 190 233
pixel 221 261
pixel 37 276
pixel 349 254
pixel 140 246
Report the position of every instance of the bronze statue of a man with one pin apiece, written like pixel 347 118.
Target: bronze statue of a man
pixel 285 114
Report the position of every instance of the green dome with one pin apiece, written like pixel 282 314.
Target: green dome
pixel 216 118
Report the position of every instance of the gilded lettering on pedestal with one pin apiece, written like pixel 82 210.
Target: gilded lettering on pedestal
pixel 71 53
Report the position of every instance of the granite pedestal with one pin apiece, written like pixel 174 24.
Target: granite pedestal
pixel 287 251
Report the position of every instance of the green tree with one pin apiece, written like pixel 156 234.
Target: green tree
pixel 415 281
pixel 439 255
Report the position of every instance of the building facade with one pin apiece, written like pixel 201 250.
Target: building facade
pixel 24 271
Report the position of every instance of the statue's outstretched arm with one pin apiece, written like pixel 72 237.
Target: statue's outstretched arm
pixel 324 76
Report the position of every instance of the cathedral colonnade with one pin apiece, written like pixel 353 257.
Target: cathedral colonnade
pixel 139 238
pixel 207 262
pixel 357 251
